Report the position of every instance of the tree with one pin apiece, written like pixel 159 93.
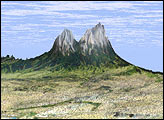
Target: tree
pixel 7 56
pixel 12 57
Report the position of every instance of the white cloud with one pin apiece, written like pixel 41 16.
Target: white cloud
pixel 79 5
pixel 9 3
pixel 87 5
pixel 157 42
pixel 51 7
pixel 56 14
pixel 148 15
pixel 47 13
pixel 142 11
pixel 158 2
pixel 159 20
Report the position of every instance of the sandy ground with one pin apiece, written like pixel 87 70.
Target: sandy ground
pixel 130 97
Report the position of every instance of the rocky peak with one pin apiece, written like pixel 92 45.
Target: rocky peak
pixel 95 40
pixel 65 43
pixel 66 36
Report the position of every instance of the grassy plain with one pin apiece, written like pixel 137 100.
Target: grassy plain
pixel 87 92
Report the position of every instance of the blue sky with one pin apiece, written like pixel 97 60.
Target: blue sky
pixel 134 28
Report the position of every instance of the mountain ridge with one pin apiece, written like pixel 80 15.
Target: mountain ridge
pixel 93 49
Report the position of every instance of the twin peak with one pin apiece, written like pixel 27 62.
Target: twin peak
pixel 94 40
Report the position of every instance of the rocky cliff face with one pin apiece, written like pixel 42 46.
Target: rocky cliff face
pixel 65 43
pixel 93 48
pixel 94 41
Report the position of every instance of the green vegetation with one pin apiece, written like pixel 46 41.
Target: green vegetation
pixel 45 106
pixel 82 73
pixel 54 85
pixel 32 114
pixel 151 75
pixel 159 80
pixel 96 105
pixel 156 76
pixel 57 62
pixel 22 91
pixel 46 79
pixel 130 71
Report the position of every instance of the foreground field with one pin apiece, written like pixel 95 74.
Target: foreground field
pixel 83 93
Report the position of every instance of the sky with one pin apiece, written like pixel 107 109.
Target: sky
pixel 134 28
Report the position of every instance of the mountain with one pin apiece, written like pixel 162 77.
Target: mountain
pixel 95 42
pixel 97 49
pixel 94 48
pixel 65 43
pixel 84 79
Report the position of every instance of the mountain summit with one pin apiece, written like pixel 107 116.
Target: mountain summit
pixel 65 43
pixel 94 48
pixel 95 41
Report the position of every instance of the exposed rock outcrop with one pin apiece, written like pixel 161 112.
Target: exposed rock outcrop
pixel 65 43
pixel 95 41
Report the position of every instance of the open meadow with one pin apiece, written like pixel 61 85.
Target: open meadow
pixel 82 93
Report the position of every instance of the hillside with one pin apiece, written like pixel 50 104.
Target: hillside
pixel 94 48
pixel 81 80
pixel 87 92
